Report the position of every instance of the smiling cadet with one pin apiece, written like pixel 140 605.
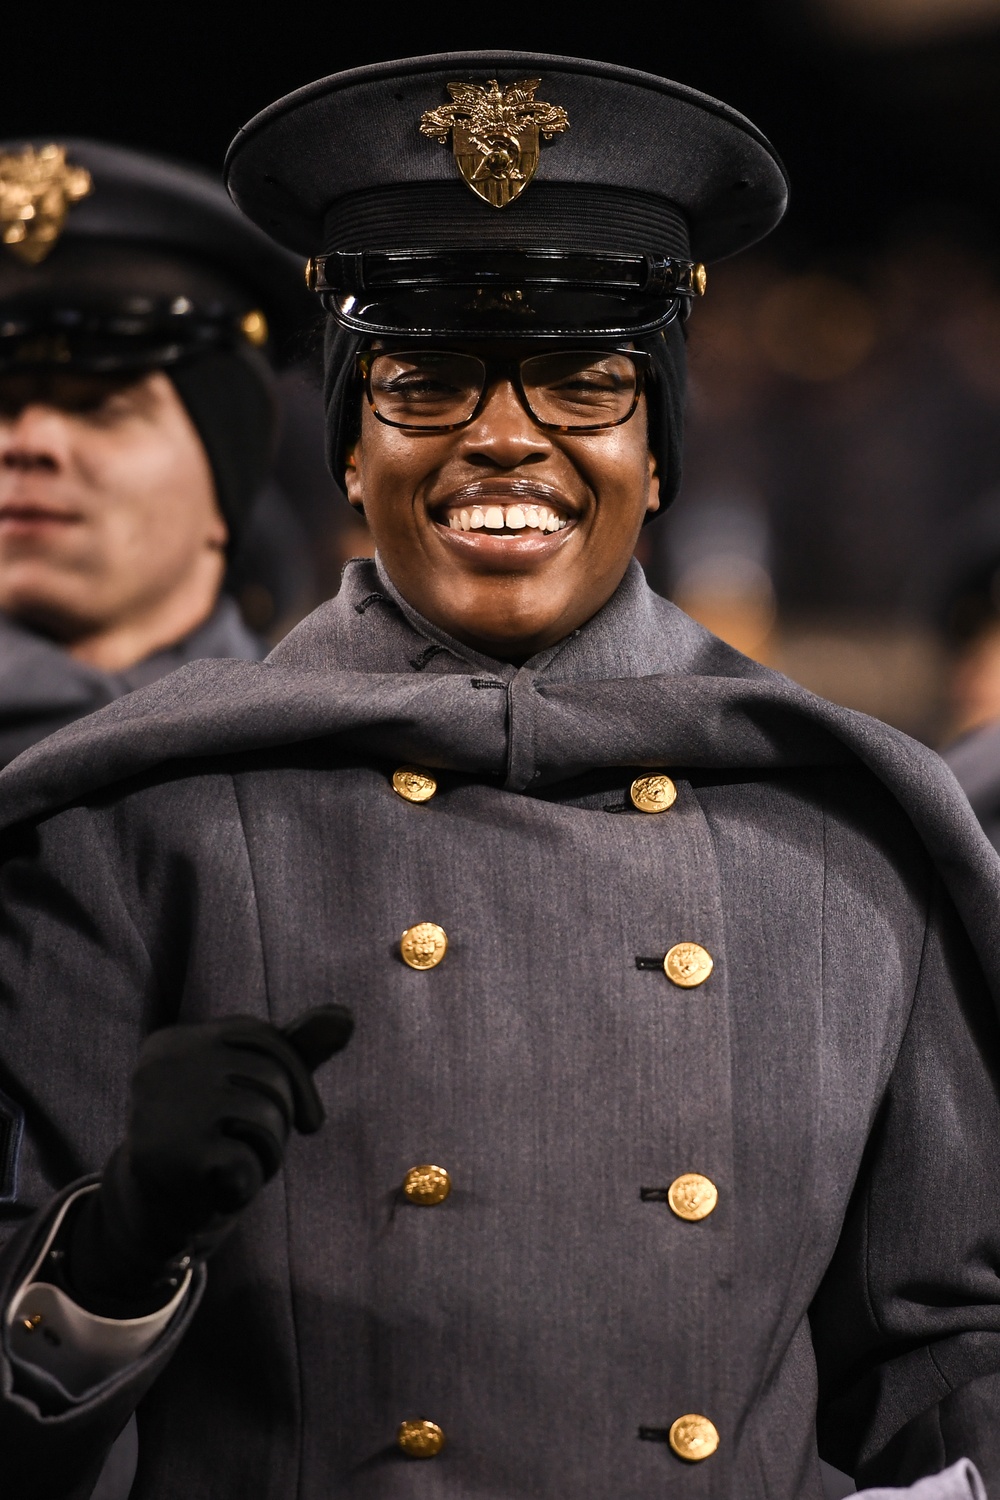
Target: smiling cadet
pixel 137 421
pixel 662 1159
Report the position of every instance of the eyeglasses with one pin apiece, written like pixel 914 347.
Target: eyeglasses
pixel 438 390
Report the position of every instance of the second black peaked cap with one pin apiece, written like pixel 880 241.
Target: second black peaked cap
pixel 114 259
pixel 490 192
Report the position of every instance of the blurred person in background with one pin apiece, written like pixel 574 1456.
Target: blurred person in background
pixel 138 424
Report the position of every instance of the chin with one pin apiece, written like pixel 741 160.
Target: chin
pixel 43 605
pixel 507 633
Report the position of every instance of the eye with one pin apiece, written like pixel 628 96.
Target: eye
pixel 417 383
pixel 106 410
pixel 587 380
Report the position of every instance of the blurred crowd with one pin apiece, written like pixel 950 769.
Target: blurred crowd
pixel 842 488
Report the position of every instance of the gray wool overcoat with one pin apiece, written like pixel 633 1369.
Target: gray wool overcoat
pixel 229 841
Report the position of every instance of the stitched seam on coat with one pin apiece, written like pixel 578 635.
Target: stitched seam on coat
pixel 928 913
pixel 775 1351
pixel 950 1385
pixel 292 1311
pixel 102 841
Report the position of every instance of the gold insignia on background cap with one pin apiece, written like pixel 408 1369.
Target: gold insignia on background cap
pixel 494 134
pixel 36 190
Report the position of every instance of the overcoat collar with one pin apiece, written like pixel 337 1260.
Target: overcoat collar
pixel 38 676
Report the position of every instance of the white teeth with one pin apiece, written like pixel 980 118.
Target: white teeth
pixel 507 517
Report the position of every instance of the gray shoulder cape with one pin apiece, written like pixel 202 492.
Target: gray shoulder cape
pixel 640 685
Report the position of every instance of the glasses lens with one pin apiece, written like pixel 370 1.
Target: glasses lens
pixel 580 388
pixel 426 388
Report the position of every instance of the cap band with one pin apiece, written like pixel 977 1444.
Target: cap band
pixel 134 334
pixel 378 270
pixel 529 293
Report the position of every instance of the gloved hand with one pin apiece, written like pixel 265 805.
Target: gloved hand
pixel 212 1108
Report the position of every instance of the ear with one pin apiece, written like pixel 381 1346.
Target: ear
pixel 653 502
pixel 352 478
pixel 218 532
pixel 218 536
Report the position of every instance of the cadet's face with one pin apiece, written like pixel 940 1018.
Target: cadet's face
pixel 518 590
pixel 107 502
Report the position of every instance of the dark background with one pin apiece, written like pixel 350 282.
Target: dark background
pixel 844 426
pixel 871 127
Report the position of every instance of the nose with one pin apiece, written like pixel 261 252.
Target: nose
pixel 34 442
pixel 504 435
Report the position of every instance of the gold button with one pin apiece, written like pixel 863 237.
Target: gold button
pixel 692 1196
pixel 653 794
pixel 693 1437
pixel 688 964
pixel 413 785
pixel 423 946
pixel 425 1439
pixel 427 1185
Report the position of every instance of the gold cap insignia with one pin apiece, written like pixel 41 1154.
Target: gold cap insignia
pixel 36 190
pixel 495 134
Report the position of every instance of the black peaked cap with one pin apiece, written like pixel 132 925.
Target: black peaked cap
pixel 342 138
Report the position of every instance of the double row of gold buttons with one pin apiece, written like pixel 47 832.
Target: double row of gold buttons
pixel 691 1196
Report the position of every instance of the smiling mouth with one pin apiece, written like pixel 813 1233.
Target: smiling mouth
pixel 26 513
pixel 513 509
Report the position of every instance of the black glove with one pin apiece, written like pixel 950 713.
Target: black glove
pixel 212 1108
